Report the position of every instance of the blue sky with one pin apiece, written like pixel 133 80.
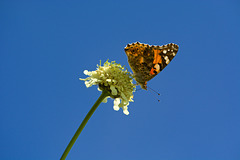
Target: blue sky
pixel 46 45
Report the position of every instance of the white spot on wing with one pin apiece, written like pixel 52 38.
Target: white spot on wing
pixel 157 67
pixel 167 59
pixel 164 51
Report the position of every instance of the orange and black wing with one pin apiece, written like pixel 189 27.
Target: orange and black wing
pixel 147 61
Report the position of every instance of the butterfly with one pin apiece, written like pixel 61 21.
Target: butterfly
pixel 147 61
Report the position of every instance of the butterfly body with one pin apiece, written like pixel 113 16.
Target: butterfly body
pixel 147 61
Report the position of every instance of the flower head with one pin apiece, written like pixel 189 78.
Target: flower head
pixel 113 78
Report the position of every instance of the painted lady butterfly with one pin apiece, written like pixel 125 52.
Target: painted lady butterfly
pixel 147 61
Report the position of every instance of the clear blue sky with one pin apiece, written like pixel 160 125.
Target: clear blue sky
pixel 46 45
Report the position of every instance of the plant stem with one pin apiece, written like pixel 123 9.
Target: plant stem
pixel 84 122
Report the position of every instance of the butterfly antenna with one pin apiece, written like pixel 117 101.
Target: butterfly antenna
pixel 154 94
pixel 154 90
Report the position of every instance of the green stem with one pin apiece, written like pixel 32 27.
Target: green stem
pixel 84 122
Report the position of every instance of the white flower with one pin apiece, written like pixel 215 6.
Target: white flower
pixel 113 78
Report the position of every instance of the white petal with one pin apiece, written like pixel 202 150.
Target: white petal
pixel 85 72
pixel 116 108
pixel 116 103
pixel 126 112
pixel 125 109
pixel 108 80
pixel 88 83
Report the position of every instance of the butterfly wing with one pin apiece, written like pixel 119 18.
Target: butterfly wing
pixel 147 61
